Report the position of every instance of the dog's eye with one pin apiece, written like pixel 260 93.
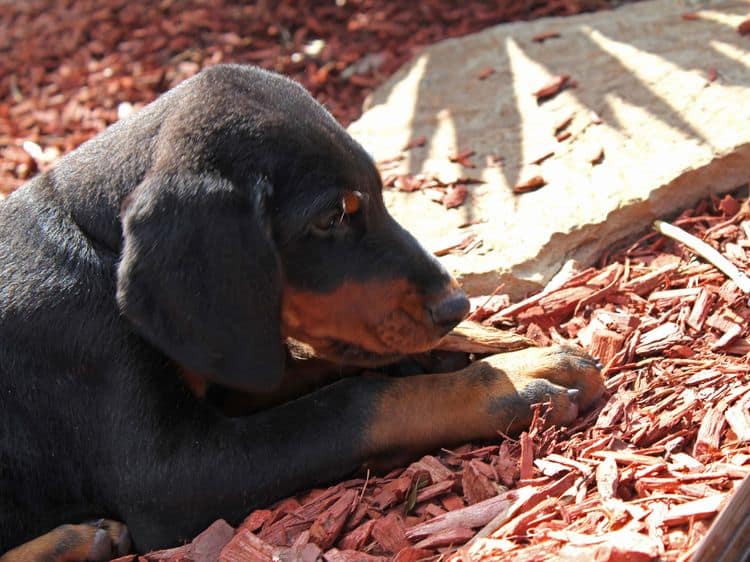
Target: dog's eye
pixel 350 204
pixel 328 222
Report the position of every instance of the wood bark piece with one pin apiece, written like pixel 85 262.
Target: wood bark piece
pixel 447 537
pixel 329 524
pixel 701 309
pixel 709 433
pixel 526 464
pixel 336 555
pixel 738 418
pixel 529 183
pixel 660 338
pixel 358 538
pixel 705 251
pixel 607 478
pixel 412 554
pixel 552 87
pixel 605 344
pixel 521 522
pixel 434 490
pixel 696 509
pixel 247 547
pixel 476 484
pixel 472 516
pixel 437 470
pixel 389 532
pixel 616 546
pixel 207 546
pixel 472 337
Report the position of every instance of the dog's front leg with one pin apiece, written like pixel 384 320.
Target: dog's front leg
pixel 227 467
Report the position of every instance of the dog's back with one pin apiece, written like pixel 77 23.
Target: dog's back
pixel 60 330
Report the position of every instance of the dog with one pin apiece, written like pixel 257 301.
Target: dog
pixel 191 241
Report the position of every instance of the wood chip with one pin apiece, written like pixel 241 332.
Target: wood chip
pixel 706 251
pixel 554 86
pixel 447 537
pixel 607 478
pixel 247 547
pixel 476 483
pixel 328 525
pixel 605 345
pixel 530 184
pixel 615 546
pixel 389 531
pixel 358 538
pixel 696 509
pixel 526 464
pixel 336 555
pixel 415 143
pixel 471 337
pixel 738 418
pixel 462 158
pixel 471 517
pixel 412 554
pixel 596 156
pixel 544 36
pixel 563 122
pixel 660 338
pixel 455 196
pixel 709 432
pixel 486 73
pixel 541 155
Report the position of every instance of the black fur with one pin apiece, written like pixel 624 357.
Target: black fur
pixel 163 244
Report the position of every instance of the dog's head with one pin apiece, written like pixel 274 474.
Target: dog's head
pixel 261 218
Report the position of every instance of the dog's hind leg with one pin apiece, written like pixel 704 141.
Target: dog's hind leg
pixel 93 541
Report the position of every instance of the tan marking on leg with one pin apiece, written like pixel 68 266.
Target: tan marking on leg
pixel 424 412
pixel 66 543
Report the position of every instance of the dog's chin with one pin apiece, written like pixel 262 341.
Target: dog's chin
pixel 342 353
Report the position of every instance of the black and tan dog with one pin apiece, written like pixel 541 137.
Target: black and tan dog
pixel 197 236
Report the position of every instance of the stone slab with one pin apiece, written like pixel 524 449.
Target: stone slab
pixel 670 132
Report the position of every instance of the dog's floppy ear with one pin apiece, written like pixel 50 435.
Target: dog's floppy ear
pixel 200 278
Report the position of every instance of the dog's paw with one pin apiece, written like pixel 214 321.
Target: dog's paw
pixel 94 541
pixel 495 394
pixel 566 377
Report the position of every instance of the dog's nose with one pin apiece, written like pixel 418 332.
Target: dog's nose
pixel 449 310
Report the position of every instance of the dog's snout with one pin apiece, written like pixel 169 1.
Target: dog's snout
pixel 449 309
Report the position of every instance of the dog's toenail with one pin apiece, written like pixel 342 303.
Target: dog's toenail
pixel 123 542
pixel 101 546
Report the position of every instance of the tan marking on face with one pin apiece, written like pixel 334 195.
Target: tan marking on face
pixel 384 317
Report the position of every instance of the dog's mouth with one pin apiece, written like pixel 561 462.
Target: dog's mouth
pixel 343 353
pixel 351 354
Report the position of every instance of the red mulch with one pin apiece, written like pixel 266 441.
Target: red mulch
pixel 68 67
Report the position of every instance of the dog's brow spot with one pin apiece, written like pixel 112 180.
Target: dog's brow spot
pixel 352 201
